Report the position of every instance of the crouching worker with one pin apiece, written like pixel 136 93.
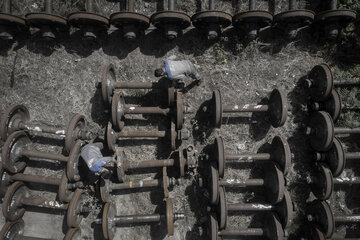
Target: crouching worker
pixel 178 70
pixel 95 161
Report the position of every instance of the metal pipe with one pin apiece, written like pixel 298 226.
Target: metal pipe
pixel 347 181
pixel 122 5
pixel 339 130
pixel 75 185
pixel 35 179
pixel 211 5
pixel 353 155
pixel 89 6
pixel 131 5
pixel 292 4
pixel 48 6
pixel 242 232
pixel 6 8
pixel 151 164
pixel 171 5
pixel 43 155
pixel 248 157
pixel 252 5
pixel 138 184
pixel 346 83
pixel 32 238
pixel 134 134
pixel 137 85
pixel 150 218
pixel 238 6
pixel 347 218
pixel 41 128
pixel 147 110
pixel 242 183
pixel 333 5
pixel 249 207
pixel 245 108
pixel 350 108
pixel 40 202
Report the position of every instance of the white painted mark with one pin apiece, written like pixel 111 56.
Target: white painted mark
pixel 246 106
pixel 235 181
pixel 55 204
pixel 35 129
pixel 261 206
pixel 240 146
pixel 60 132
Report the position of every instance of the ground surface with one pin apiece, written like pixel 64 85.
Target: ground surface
pixel 56 82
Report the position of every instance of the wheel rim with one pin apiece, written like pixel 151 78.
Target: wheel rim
pixel 277 108
pixel 220 155
pixel 108 80
pixel 281 153
pixel 76 124
pixel 11 118
pixel 274 184
pixel 11 152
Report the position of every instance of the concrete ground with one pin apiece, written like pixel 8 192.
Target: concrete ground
pixel 58 81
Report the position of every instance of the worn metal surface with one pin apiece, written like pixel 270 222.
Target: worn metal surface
pixel 31 75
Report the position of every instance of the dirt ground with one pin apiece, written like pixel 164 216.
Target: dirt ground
pixel 58 81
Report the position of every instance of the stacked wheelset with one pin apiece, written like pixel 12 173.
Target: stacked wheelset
pixel 171 22
pixel 329 154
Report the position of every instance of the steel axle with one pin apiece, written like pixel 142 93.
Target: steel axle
pixel 65 191
pixel 211 21
pixel 284 208
pixel 17 118
pixel 279 153
pixel 273 184
pixel 10 25
pixel 123 165
pixel 323 182
pixel 109 85
pixel 112 136
pixel 17 149
pixel 332 105
pixel 50 25
pixel 18 196
pixel 320 82
pixel 15 231
pixel 321 131
pixel 250 22
pixel 171 22
pixel 320 213
pixel 131 23
pixel 276 109
pixel 293 20
pixel 336 157
pixel 333 20
pixel 91 24
pixel 107 187
pixel 110 220
pixel 315 233
pixel 272 229
pixel 119 110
